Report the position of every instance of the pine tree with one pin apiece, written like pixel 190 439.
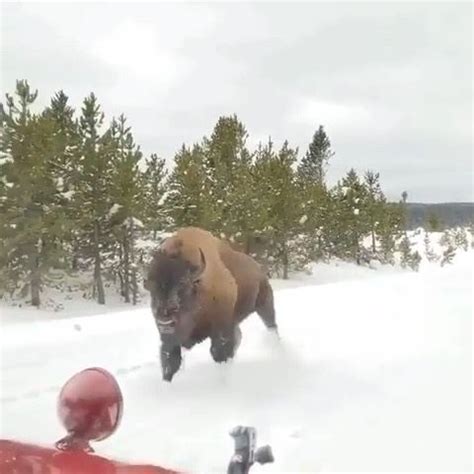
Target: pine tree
pixel 447 238
pixel 448 254
pixel 375 205
pixel 351 222
pixel 311 173
pixel 460 239
pixel 67 140
pixel 316 207
pixel 14 163
pixel 259 243
pixel 388 231
pixel 313 166
pixel 127 203
pixel 429 252
pixel 433 222
pixel 64 166
pixel 32 219
pixel 227 145
pixel 92 198
pixel 278 182
pixel 409 257
pixel 189 197
pixel 154 183
pixel 227 163
pixel 244 205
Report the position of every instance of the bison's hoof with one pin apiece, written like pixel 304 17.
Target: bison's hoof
pixel 168 376
pixel 221 354
pixel 168 373
pixel 274 330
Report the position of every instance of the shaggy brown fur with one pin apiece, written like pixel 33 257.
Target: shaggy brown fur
pixel 220 287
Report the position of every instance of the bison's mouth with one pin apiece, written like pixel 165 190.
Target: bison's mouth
pixel 180 326
pixel 166 326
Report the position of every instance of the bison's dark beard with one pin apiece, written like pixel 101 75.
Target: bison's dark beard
pixel 181 326
pixel 184 327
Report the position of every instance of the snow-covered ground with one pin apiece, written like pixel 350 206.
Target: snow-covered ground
pixel 68 300
pixel 373 373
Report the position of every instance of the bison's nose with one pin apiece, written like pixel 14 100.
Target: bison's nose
pixel 171 310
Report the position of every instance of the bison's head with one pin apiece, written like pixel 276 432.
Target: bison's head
pixel 173 285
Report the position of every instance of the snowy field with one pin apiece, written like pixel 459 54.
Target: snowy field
pixel 373 373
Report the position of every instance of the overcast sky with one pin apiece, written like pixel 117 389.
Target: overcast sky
pixel 391 82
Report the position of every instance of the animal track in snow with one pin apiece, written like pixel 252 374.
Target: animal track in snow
pixel 35 393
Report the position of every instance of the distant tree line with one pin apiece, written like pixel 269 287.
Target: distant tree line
pixel 77 194
pixel 440 216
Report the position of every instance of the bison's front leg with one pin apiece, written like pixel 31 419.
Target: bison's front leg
pixel 224 343
pixel 170 354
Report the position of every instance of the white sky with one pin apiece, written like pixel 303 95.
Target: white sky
pixel 391 82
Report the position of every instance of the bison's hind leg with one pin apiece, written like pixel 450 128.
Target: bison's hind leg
pixel 264 306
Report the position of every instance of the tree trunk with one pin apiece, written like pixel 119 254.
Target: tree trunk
pixel 75 256
pixel 119 274
pixel 318 253
pixel 133 269
pixel 285 262
pixel 126 267
pixel 35 280
pixel 98 283
pixel 119 270
pixel 373 241
pixel 358 253
pixel 134 287
pixel 247 244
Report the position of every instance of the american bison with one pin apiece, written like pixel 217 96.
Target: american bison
pixel 202 288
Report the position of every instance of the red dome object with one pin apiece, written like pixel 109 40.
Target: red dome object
pixel 90 407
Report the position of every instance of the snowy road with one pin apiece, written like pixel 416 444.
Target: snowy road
pixel 371 375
